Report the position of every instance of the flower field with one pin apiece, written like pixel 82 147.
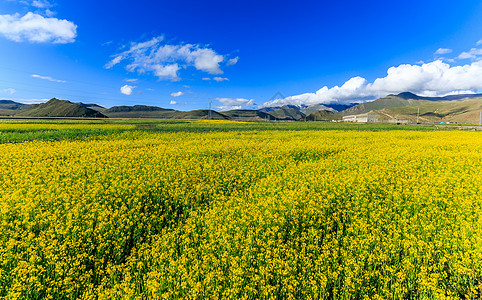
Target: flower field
pixel 259 214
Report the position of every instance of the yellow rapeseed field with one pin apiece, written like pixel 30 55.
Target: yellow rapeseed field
pixel 243 215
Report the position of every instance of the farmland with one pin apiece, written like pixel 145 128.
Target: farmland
pixel 233 210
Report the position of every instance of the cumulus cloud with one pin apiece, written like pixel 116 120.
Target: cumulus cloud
pixel 127 89
pixel 172 102
pixel 234 103
pixel 47 78
pixel 165 60
pixel 232 61
pixel 430 79
pixel 479 43
pixel 177 94
pixel 442 51
pixel 37 29
pixel 206 78
pixel 219 79
pixel 471 54
pixel 9 91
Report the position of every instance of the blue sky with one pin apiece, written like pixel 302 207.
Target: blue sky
pixel 186 54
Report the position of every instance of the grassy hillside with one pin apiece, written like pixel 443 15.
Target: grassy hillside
pixel 140 111
pixel 10 108
pixel 382 103
pixel 199 114
pixel 317 107
pixel 465 111
pixel 323 115
pixel 435 109
pixel 247 115
pixel 60 108
pixel 287 114
pixel 12 105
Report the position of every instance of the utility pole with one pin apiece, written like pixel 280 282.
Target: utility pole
pixel 209 111
pixel 418 113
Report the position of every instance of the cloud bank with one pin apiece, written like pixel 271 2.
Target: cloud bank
pixel 165 61
pixel 234 103
pixel 429 79
pixel 35 28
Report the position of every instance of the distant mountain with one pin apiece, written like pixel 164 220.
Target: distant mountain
pixel 139 111
pixel 12 105
pixel 203 114
pixel 465 110
pixel 402 100
pixel 60 108
pixel 287 114
pixel 10 108
pixel 323 115
pixel 93 106
pixel 247 115
pixel 116 109
pixel 316 107
pixel 273 108
pixel 309 109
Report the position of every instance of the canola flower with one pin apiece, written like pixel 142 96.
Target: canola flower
pixel 243 215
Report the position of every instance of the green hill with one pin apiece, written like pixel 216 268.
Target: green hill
pixel 323 115
pixel 202 114
pixel 247 115
pixel 12 105
pixel 404 100
pixel 94 106
pixel 316 107
pixel 139 111
pixel 459 111
pixel 382 103
pixel 60 108
pixel 287 114
pixel 10 108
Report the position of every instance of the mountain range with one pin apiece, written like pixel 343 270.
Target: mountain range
pixel 453 108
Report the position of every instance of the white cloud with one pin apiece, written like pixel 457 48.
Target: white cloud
pixel 41 4
pixel 206 78
pixel 127 89
pixel 172 102
pixel 430 79
pixel 9 91
pixel 30 101
pixel 47 78
pixel 113 62
pixel 232 61
pixel 234 103
pixel 479 43
pixel 166 72
pixel 471 54
pixel 165 61
pixel 131 79
pixel 219 79
pixel 442 51
pixel 37 29
pixel 177 94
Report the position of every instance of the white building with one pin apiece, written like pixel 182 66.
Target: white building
pixel 363 118
pixel 398 121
